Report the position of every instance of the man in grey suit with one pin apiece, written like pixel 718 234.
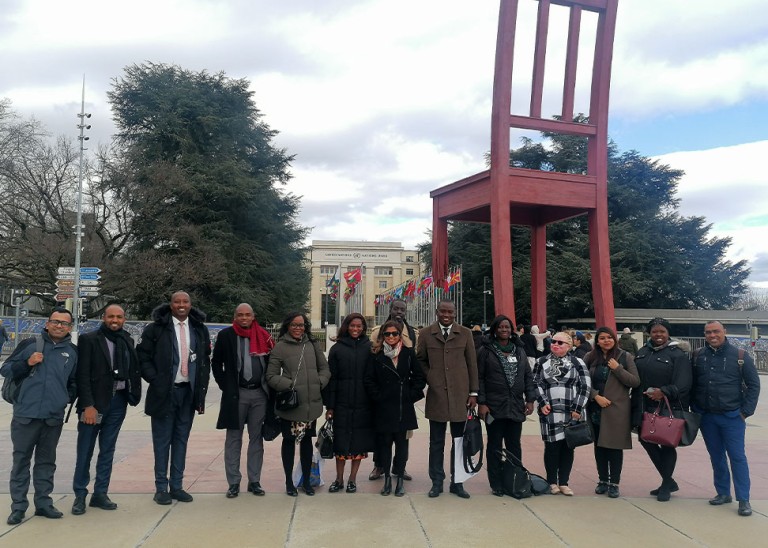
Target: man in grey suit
pixel 447 355
pixel 239 366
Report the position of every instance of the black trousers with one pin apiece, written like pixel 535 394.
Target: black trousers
pixel 609 461
pixel 558 462
pixel 384 441
pixel 500 432
pixel 663 458
pixel 437 448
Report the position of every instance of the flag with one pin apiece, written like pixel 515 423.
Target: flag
pixel 453 279
pixel 333 285
pixel 410 289
pixel 424 283
pixel 353 277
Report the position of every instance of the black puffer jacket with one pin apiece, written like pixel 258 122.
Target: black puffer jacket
pixel 667 368
pixel 394 390
pixel 346 396
pixel 504 401
pixel 719 381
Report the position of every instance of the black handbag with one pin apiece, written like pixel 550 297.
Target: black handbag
pixel 324 441
pixel 515 479
pixel 472 443
pixel 289 399
pixel 578 433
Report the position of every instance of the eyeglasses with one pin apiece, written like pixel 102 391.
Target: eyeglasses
pixel 558 343
pixel 391 334
pixel 61 323
pixel 297 325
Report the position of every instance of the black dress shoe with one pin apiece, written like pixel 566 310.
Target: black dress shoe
pixel 602 488
pixel 16 517
pixel 181 495
pixel 458 490
pixel 351 487
pixel 497 492
pixel 375 473
pixel 102 501
pixel 255 488
pixel 308 490
pixel 721 499
pixel 437 488
pixel 291 490
pixel 162 498
pixel 387 489
pixel 613 491
pixel 399 489
pixel 672 488
pixel 407 476
pixel 78 507
pixel 233 491
pixel 49 512
pixel 744 508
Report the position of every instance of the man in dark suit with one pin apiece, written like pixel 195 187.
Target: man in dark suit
pixel 174 353
pixel 447 355
pixel 239 366
pixel 108 379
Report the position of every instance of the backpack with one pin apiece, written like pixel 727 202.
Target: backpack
pixel 11 386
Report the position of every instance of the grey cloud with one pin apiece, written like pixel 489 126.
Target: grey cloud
pixel 759 266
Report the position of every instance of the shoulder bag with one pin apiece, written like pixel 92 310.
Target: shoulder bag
pixel 289 399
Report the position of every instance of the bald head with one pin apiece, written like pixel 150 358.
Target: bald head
pixel 244 315
pixel 180 305
pixel 114 317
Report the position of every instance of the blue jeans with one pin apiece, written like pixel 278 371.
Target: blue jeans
pixel 724 435
pixel 170 435
pixel 106 433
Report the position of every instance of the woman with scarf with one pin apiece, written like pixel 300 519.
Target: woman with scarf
pixel 505 397
pixel 297 363
pixel 395 381
pixel 613 373
pixel 562 390
pixel 665 370
pixel 346 401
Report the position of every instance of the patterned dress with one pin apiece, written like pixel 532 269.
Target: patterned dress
pixel 564 384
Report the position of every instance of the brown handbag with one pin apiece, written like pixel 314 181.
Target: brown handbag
pixel 662 430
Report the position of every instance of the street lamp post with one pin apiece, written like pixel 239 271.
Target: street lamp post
pixel 76 302
pixel 486 292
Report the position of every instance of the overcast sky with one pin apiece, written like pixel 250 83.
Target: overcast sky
pixel 382 101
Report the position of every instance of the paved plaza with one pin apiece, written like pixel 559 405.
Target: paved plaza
pixel 368 519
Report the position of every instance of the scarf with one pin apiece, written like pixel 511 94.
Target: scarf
pixel 260 340
pixel 507 364
pixel 124 351
pixel 392 352
pixel 559 366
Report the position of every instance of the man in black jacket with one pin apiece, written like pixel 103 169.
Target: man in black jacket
pixel 239 366
pixel 174 353
pixel 108 379
pixel 725 391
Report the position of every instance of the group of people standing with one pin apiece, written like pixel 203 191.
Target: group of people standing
pixel 368 387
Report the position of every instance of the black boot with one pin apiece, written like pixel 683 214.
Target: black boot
pixel 399 490
pixel 387 489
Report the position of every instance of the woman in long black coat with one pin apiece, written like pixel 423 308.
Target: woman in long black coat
pixel 395 381
pixel 506 394
pixel 347 401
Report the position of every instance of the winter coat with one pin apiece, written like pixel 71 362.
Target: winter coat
pixel 614 420
pixel 451 370
pixel 719 381
pixel 311 377
pixel 504 401
pixel 95 377
pixel 566 392
pixel 667 368
pixel 347 397
pixel 224 366
pixel 47 387
pixel 529 345
pixel 628 343
pixel 394 390
pixel 159 359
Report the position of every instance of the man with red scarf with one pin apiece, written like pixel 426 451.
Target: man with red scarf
pixel 239 364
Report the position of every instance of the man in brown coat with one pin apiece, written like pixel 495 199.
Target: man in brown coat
pixel 446 352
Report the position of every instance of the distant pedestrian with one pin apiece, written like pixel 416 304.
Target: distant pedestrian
pixel 46 368
pixel 108 380
pixel 239 366
pixel 725 391
pixel 627 342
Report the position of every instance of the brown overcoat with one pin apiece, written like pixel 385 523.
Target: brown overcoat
pixel 451 370
pixel 615 426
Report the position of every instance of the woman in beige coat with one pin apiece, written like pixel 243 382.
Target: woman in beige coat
pixel 613 373
pixel 296 362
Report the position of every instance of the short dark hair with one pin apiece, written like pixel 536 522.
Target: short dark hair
pixel 495 325
pixel 344 327
pixel 289 318
pixel 379 342
pixel 60 310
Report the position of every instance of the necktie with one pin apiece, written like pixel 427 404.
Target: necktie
pixel 247 362
pixel 184 354
pixel 446 332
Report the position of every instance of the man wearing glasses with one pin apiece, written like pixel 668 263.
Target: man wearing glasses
pixel 447 355
pixel 46 366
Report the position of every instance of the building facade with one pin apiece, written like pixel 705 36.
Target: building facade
pixel 383 265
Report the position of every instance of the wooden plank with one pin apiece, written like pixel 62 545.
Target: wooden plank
pixel 571 63
pixel 539 58
pixel 556 126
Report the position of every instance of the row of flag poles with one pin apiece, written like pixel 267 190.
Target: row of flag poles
pixel 417 287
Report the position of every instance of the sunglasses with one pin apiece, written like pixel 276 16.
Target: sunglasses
pixel 391 334
pixel 558 343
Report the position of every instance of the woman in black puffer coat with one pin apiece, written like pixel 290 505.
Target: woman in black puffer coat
pixel 506 394
pixel 347 402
